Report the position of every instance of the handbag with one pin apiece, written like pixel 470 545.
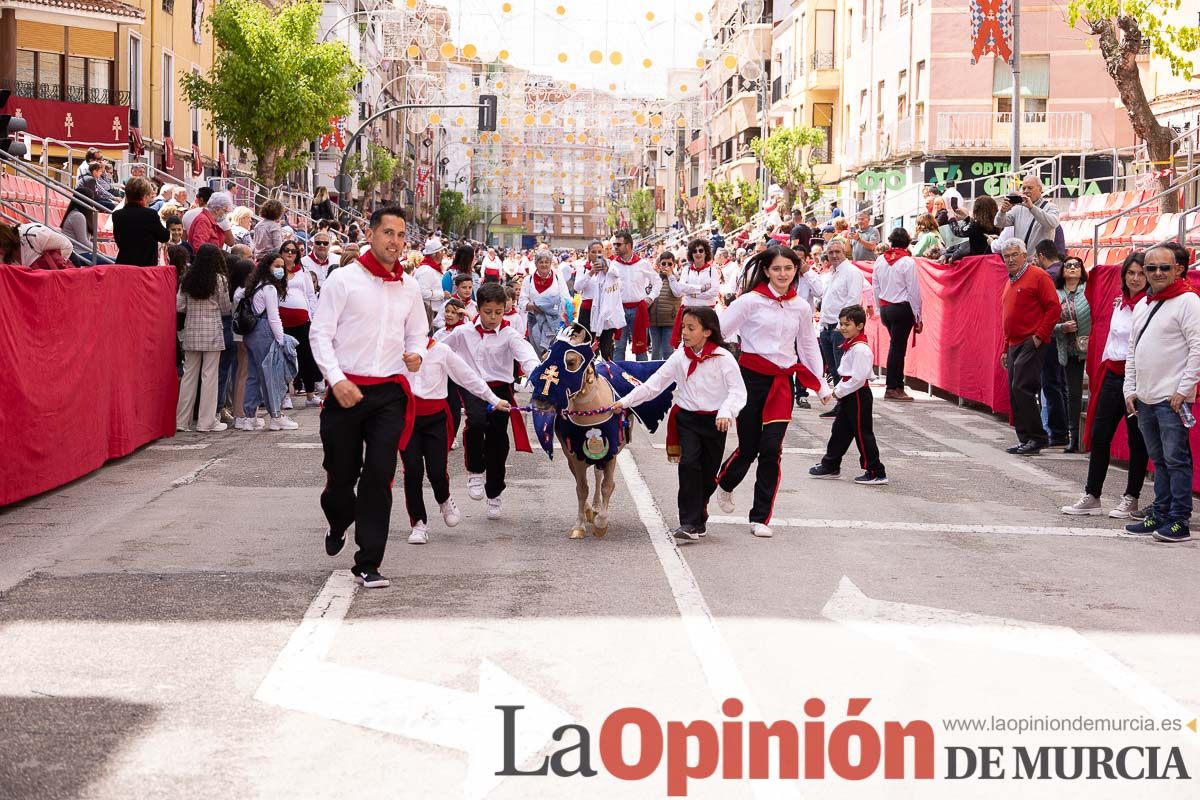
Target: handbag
pixel 244 319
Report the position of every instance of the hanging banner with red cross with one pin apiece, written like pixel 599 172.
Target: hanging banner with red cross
pixel 336 135
pixel 991 29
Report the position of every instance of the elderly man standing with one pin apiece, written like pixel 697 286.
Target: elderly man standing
pixel 1160 387
pixel 1029 309
pixel 1035 218
pixel 864 238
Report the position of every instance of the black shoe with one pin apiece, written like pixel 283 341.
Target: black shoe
pixel 830 414
pixel 370 579
pixel 1030 449
pixel 334 542
pixel 1173 532
pixel 1016 448
pixel 802 402
pixel 1058 441
pixel 822 471
pixel 869 478
pixel 687 532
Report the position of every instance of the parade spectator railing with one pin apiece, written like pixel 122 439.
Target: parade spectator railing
pixel 958 351
pixel 87 370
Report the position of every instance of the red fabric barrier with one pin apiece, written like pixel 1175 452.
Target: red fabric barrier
pixel 87 370
pixel 959 348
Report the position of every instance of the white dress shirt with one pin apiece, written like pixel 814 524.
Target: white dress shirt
pixel 1120 326
pixel 697 287
pixel 364 325
pixel 782 333
pixel 639 281
pixel 518 320
pixel 715 385
pixel 492 354
pixel 318 268
pixel 558 290
pixel 439 316
pixel 604 290
pixel 430 281
pixel 439 363
pixel 845 289
pixel 810 287
pixel 897 283
pixel 855 370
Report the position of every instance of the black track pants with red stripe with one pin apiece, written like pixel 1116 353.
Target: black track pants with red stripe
pixel 426 453
pixel 854 423
pixel 756 441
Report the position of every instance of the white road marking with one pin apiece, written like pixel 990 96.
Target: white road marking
pixel 301 680
pixel 200 446
pixel 300 445
pixel 192 476
pixel 900 623
pixel 925 527
pixel 712 651
pixel 809 451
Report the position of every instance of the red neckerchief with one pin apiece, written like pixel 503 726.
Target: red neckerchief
pixel 636 258
pixel 692 266
pixel 1130 302
pixel 766 291
pixel 484 331
pixel 455 325
pixel 862 337
pixel 1177 287
pixel 541 284
pixel 315 261
pixel 297 266
pixel 433 262
pixel 512 313
pixel 894 254
pixel 372 265
pixel 706 352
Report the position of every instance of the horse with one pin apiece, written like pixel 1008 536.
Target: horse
pixel 573 394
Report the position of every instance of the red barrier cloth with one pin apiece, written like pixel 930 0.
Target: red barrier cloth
pixel 1103 287
pixel 961 339
pixel 87 370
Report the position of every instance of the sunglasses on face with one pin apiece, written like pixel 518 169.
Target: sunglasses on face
pixel 1072 265
pixel 320 244
pixel 288 250
pixel 1158 268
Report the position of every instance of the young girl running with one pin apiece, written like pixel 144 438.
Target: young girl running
pixel 777 340
pixel 709 393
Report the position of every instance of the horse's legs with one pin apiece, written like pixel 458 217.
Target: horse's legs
pixel 605 483
pixel 579 469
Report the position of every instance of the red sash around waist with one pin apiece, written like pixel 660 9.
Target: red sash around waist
pixel 291 317
pixel 640 342
pixel 778 407
pixel 410 407
pixel 674 451
pixel 433 407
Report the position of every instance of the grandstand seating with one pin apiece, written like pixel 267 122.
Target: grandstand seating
pixel 25 200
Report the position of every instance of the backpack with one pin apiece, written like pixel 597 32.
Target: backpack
pixel 244 318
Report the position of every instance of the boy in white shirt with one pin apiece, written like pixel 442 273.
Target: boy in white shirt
pixel 853 421
pixel 463 285
pixel 491 346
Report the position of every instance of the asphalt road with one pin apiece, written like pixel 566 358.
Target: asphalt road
pixel 171 627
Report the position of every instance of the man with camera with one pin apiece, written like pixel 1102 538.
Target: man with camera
pixel 1028 216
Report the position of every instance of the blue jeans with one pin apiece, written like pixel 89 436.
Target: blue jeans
pixel 1054 396
pixel 831 341
pixel 1171 451
pixel 660 342
pixel 227 372
pixel 258 344
pixel 627 337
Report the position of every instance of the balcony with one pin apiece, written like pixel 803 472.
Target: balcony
pixel 822 71
pixel 823 59
pixel 75 94
pixel 985 130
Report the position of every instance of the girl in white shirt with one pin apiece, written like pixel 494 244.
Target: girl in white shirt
pixel 296 308
pixel 599 283
pixel 709 393
pixel 698 282
pixel 266 284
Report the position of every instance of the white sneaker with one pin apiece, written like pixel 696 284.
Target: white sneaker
pixel 220 426
pixel 450 513
pixel 419 535
pixel 475 485
pixel 259 423
pixel 287 402
pixel 1086 506
pixel 1126 508
pixel 760 530
pixel 282 423
pixel 242 424
pixel 493 511
pixel 725 501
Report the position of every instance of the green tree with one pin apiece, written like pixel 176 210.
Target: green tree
pixel 272 89
pixel 787 153
pixel 1122 28
pixel 641 211
pixel 376 171
pixel 452 210
pixel 733 203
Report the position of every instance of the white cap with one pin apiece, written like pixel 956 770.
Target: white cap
pixel 432 245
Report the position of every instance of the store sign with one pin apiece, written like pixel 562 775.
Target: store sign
pixel 870 180
pixel 975 176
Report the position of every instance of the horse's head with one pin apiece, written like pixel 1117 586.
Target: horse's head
pixel 562 371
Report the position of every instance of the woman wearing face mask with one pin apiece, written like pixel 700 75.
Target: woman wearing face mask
pixel 266 284
pixel 295 311
pixel 213 225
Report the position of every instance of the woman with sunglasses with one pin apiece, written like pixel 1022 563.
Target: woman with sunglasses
pixel 1109 408
pixel 295 311
pixel 698 283
pixel 1071 337
pixel 664 309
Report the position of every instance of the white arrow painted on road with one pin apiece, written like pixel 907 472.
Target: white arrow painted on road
pixel 301 680
pixel 898 624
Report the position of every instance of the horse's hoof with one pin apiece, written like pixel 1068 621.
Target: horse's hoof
pixel 577 533
pixel 599 532
pixel 590 514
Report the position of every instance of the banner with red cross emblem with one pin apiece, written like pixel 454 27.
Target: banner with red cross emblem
pixel 991 29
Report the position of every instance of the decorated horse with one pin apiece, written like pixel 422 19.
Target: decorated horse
pixel 573 394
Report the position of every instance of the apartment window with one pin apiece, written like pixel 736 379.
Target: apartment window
pixel 168 93
pixel 823 53
pixel 902 95
pixel 39 75
pixel 822 118
pixel 1035 85
pixel 919 86
pixel 195 115
pixel 879 100
pixel 135 79
pixel 903 8
pixel 865 15
pixel 882 7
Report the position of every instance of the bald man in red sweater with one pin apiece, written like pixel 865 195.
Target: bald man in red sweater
pixel 1029 308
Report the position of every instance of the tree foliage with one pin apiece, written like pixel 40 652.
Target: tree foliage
pixel 733 204
pixel 272 89
pixel 377 170
pixel 787 153
pixel 1122 28
pixel 641 211
pixel 454 214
